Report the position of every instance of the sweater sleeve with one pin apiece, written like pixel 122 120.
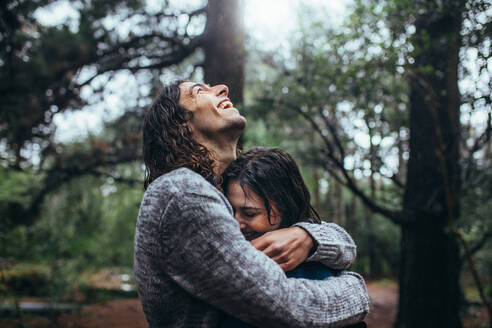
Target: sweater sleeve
pixel 204 252
pixel 335 248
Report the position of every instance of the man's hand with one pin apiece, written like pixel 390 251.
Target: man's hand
pixel 288 247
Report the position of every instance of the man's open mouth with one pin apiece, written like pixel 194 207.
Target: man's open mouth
pixel 225 104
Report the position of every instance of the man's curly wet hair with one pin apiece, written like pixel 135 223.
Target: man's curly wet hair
pixel 168 142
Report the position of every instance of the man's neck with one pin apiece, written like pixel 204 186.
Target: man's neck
pixel 224 150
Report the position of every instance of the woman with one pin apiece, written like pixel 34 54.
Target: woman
pixel 267 192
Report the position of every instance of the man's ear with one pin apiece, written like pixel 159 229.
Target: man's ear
pixel 190 126
pixel 188 117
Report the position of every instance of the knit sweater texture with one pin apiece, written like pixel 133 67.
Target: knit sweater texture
pixel 191 260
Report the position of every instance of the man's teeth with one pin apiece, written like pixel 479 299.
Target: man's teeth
pixel 225 105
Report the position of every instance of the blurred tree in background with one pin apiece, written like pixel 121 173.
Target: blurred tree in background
pixel 407 168
pixel 72 205
pixel 380 112
pixel 44 70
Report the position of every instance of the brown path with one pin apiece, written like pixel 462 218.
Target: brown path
pixel 121 314
pixel 128 313
pixel 384 304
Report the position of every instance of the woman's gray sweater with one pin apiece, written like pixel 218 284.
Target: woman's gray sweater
pixel 191 260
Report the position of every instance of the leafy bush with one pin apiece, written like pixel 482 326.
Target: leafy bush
pixel 25 280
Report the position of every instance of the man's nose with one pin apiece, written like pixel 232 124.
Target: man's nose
pixel 221 90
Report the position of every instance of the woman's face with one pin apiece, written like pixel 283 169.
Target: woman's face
pixel 250 211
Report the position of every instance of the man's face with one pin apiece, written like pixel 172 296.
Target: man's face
pixel 213 113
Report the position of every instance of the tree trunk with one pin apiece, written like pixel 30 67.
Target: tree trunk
pixel 331 202
pixel 317 191
pixel 224 46
pixel 351 221
pixel 371 242
pixel 429 275
pixel 371 251
pixel 340 204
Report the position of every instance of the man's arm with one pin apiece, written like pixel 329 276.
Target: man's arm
pixel 334 246
pixel 205 253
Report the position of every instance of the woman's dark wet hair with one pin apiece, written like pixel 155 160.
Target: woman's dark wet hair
pixel 168 142
pixel 274 176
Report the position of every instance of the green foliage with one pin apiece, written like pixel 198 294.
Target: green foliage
pixel 353 81
pixel 383 237
pixel 16 185
pixel 76 209
pixel 476 222
pixel 334 86
pixel 88 221
pixel 25 280
pixel 339 77
pixel 17 190
pixel 86 225
pixel 45 70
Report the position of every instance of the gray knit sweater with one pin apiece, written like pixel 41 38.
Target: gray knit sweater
pixel 192 260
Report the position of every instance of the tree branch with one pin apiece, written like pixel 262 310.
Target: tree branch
pixel 174 57
pixel 61 173
pixel 118 179
pixel 395 216
pixel 481 243
pixel 331 126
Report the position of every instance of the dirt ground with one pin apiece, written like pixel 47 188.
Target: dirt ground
pixel 128 313
pixel 384 303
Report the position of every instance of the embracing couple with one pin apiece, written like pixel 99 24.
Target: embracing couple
pixel 230 240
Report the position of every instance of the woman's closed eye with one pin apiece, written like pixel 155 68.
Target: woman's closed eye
pixel 250 215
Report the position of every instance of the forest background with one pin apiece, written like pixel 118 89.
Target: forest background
pixel 387 111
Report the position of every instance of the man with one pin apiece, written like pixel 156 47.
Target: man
pixel 191 259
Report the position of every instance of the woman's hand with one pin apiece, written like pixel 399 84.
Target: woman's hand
pixel 288 247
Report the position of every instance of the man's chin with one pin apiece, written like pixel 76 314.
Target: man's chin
pixel 237 123
pixel 232 129
pixel 242 123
